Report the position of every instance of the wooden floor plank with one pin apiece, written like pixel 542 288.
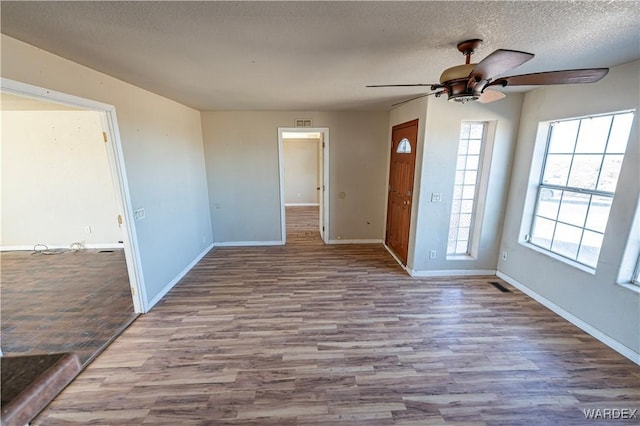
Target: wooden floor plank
pixel 308 334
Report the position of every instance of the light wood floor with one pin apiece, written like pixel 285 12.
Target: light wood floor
pixel 307 334
pixel 77 301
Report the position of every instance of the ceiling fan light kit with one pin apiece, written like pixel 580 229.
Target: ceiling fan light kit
pixel 470 82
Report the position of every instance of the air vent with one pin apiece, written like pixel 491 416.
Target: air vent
pixel 500 287
pixel 303 122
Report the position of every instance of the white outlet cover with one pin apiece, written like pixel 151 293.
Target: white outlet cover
pixel 138 214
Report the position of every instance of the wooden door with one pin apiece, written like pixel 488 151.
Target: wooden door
pixel 403 161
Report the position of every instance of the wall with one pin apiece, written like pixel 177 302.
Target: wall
pixel 56 180
pixel 241 149
pixel 300 171
pixel 163 156
pixel 594 299
pixel 438 134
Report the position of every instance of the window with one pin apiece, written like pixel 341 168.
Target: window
pixel 465 189
pixel 635 279
pixel 404 147
pixel 582 162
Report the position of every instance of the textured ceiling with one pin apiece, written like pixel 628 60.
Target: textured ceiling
pixel 315 55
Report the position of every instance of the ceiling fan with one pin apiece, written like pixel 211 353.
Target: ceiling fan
pixel 471 82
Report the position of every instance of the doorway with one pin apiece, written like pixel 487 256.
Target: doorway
pixel 401 177
pixel 70 293
pixel 304 183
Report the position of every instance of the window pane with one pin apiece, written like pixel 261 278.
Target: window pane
pixel 477 129
pixel 459 178
pixel 404 147
pixel 590 248
pixel 474 146
pixel 465 220
pixel 462 161
pixel 573 208
pixel 463 234
pixel 468 192
pixel 584 171
pixel 598 213
pixel 620 133
pixel 467 206
pixel 453 222
pixel 453 233
pixel 463 148
pixel 451 247
pixel 563 137
pixel 472 162
pixel 542 233
pixel 470 177
pixel 465 129
pixel 610 172
pixel 457 192
pixel 548 203
pixel 593 134
pixel 455 206
pixel 556 169
pixel 461 247
pixel 566 240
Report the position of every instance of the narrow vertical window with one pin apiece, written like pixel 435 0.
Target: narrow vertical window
pixel 465 190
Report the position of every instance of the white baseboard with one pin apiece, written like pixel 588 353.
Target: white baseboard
pixel 451 272
pixel 301 204
pixel 178 277
pixel 96 246
pixel 247 243
pixel 356 241
pixel 584 326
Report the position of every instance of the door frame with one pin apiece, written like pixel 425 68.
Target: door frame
pixel 118 174
pixel 324 213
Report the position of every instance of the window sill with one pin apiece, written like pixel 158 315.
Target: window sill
pixel 559 258
pixel 633 287
pixel 460 257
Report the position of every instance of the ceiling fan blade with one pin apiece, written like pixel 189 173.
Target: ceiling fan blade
pixel 490 96
pixel 553 77
pixel 403 85
pixel 496 63
pixel 417 97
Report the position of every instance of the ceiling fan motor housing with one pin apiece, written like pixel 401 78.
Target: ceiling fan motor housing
pixel 455 80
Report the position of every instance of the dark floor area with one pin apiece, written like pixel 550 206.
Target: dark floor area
pixel 75 301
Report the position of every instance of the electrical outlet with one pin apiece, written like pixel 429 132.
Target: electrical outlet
pixel 139 214
pixel 87 229
pixel 432 254
pixel 504 255
pixel 436 197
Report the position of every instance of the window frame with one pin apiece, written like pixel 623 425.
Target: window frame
pixel 541 185
pixel 478 190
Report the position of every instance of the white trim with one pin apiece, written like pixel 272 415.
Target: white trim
pixel 118 175
pixel 57 247
pixel 452 272
pixel 247 243
pixel 178 277
pixel 356 241
pixel 584 326
pixel 397 259
pixel 629 286
pixel 302 204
